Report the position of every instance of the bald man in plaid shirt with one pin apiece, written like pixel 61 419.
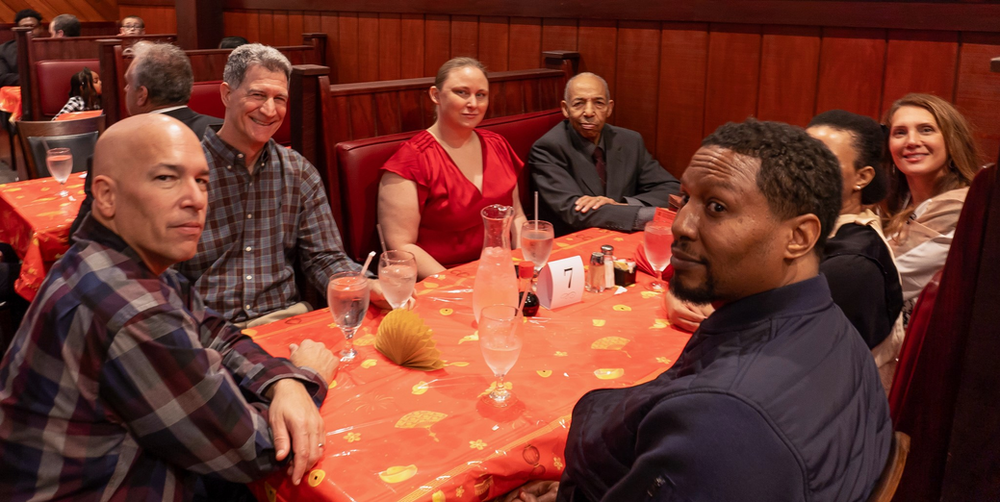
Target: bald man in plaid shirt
pixel 120 384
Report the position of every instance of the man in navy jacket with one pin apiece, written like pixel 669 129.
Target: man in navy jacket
pixel 775 397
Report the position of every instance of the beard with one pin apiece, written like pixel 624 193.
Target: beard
pixel 701 294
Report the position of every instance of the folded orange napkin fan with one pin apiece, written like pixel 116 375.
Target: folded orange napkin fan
pixel 407 341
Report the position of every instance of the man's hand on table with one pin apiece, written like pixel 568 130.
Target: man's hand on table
pixel 378 299
pixel 587 202
pixel 295 421
pixel 534 491
pixel 684 315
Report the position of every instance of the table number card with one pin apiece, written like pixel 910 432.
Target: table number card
pixel 560 283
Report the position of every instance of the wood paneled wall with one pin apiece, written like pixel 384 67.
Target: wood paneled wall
pixel 158 18
pixel 85 10
pixel 675 82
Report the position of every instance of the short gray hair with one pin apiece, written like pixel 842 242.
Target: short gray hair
pixel 164 70
pixel 607 91
pixel 67 23
pixel 245 56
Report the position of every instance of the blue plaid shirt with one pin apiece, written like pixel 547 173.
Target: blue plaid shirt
pixel 258 226
pixel 120 385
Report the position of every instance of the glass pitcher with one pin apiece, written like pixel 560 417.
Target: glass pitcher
pixel 496 282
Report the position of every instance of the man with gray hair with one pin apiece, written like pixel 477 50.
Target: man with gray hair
pixel 159 80
pixel 268 209
pixel 64 25
pixel 591 174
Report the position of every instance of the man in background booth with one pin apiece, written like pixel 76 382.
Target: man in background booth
pixel 64 25
pixel 268 207
pixel 26 18
pixel 591 174
pixel 132 26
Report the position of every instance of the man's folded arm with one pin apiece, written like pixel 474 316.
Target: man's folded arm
pixel 709 446
pixel 179 401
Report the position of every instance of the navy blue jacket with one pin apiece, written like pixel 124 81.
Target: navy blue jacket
pixel 774 398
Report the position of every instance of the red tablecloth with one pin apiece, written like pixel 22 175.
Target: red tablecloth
pixel 10 101
pixel 400 434
pixel 35 221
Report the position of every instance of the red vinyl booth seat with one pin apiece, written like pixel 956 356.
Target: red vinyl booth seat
pixel 53 81
pixel 360 163
pixel 207 100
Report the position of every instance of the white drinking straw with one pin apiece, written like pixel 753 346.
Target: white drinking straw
pixel 536 210
pixel 367 262
pixel 381 236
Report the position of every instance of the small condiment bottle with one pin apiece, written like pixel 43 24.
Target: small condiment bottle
pixel 595 273
pixel 609 265
pixel 525 271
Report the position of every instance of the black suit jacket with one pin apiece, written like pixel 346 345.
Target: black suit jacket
pixel 562 172
pixel 196 121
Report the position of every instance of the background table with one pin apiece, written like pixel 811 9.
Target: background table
pixel 400 434
pixel 36 223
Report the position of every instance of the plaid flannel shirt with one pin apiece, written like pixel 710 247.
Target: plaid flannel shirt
pixel 258 225
pixel 120 385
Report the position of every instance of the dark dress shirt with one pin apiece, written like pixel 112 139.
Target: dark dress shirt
pixel 863 281
pixel 774 398
pixel 121 385
pixel 562 168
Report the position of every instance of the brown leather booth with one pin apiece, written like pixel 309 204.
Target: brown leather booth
pixel 360 163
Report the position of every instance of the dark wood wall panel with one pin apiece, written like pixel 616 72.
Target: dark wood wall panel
pixel 158 19
pixel 681 109
pixel 920 62
pixel 674 82
pixel 789 71
pixel 525 43
pixel 977 93
pixel 733 74
pixel 852 66
pixel 638 65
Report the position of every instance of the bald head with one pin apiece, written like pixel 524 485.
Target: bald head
pixel 150 183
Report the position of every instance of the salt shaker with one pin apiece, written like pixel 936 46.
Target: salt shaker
pixel 595 273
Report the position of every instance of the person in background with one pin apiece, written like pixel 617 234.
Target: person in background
pixel 132 26
pixel 245 266
pixel 232 42
pixel 433 189
pixel 26 18
pixel 84 92
pixel 775 396
pixel 159 80
pixel 121 384
pixel 64 25
pixel 592 174
pixel 934 158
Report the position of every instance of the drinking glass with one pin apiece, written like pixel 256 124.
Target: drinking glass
pixel 500 339
pixel 397 273
pixel 347 295
pixel 60 163
pixel 536 242
pixel 658 237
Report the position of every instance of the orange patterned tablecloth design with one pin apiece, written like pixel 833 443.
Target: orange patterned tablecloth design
pixel 10 101
pixel 35 222
pixel 396 434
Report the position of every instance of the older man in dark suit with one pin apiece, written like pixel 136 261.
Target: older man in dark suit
pixel 591 174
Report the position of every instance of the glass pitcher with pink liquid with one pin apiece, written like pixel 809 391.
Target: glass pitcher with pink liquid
pixel 496 282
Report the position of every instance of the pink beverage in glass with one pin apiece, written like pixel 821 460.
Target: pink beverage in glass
pixel 500 341
pixel 397 273
pixel 347 295
pixel 536 242
pixel 658 237
pixel 495 268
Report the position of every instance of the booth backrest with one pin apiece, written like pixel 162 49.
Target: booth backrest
pixel 205 99
pixel 53 82
pixel 361 160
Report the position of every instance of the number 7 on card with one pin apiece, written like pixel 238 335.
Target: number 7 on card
pixel 560 283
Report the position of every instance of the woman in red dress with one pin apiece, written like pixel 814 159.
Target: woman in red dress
pixel 434 187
